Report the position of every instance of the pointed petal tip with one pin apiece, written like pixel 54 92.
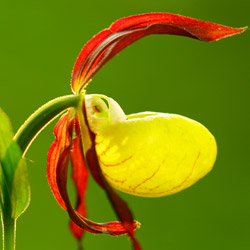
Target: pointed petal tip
pixel 243 29
pixel 230 32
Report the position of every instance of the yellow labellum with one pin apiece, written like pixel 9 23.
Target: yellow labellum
pixel 149 154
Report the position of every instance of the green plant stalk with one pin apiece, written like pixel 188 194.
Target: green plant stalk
pixel 9 242
pixel 9 232
pixel 41 118
pixel 8 223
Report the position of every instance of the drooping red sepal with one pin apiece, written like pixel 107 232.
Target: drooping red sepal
pixel 125 31
pixel 63 133
pixel 57 170
pixel 80 177
pixel 112 228
pixel 119 205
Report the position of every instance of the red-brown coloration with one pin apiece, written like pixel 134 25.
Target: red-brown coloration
pixel 62 149
pixel 113 228
pixel 80 177
pixel 119 205
pixel 115 164
pixel 147 179
pixel 63 131
pixel 162 192
pixel 115 180
pixel 106 44
pixel 186 179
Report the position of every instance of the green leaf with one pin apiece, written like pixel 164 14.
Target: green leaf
pixel 20 196
pixel 6 133
pixel 15 191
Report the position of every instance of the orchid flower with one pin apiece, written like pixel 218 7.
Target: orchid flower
pixel 147 154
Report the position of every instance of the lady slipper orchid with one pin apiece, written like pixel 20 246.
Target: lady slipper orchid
pixel 147 154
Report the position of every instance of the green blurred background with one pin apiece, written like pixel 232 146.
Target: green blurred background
pixel 209 82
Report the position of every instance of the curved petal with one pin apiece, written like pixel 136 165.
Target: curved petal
pixel 63 131
pixel 125 31
pixel 113 228
pixel 57 167
pixel 120 206
pixel 155 154
pixel 80 177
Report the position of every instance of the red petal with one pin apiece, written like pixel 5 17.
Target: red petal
pixel 120 206
pixel 113 228
pixel 125 31
pixel 57 167
pixel 80 177
pixel 62 131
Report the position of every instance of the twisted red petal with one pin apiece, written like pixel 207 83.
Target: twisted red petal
pixel 80 177
pixel 63 131
pixel 125 31
pixel 113 228
pixel 57 169
pixel 120 206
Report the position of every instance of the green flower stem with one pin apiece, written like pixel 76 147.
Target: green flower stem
pixel 41 118
pixel 8 222
pixel 9 232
